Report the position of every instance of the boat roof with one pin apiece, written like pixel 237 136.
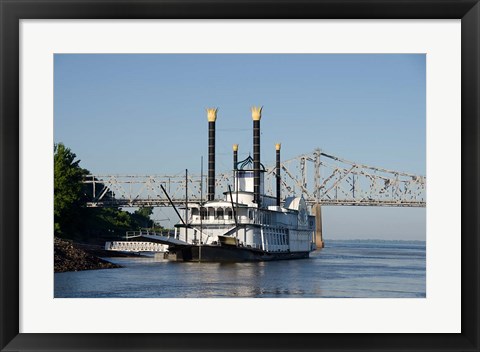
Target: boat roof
pixel 222 203
pixel 214 204
pixel 247 165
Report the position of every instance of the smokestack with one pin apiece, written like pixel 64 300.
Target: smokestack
pixel 212 117
pixel 235 156
pixel 235 162
pixel 277 171
pixel 256 116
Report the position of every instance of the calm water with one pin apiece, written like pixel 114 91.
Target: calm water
pixel 342 269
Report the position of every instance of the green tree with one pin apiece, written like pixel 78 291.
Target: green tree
pixel 141 216
pixel 68 189
pixel 73 219
pixel 145 212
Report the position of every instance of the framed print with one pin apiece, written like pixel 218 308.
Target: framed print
pixel 220 253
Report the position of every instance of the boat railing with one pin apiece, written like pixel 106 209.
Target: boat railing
pixel 143 232
pixel 134 246
pixel 255 221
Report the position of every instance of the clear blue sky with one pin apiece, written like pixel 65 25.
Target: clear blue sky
pixel 145 114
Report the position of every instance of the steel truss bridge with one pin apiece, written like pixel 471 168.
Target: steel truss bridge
pixel 321 178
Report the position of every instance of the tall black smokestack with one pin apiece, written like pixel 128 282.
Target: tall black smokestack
pixel 212 117
pixel 235 156
pixel 256 116
pixel 277 171
pixel 235 162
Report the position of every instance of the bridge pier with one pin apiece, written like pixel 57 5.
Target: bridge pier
pixel 317 211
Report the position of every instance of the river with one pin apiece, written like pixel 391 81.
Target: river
pixel 367 268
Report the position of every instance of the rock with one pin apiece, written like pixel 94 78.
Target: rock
pixel 69 257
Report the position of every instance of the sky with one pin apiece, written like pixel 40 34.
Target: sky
pixel 145 114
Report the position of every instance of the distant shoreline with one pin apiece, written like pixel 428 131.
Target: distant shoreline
pixel 373 240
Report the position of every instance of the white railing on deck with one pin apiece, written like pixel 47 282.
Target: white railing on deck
pixel 134 246
pixel 134 234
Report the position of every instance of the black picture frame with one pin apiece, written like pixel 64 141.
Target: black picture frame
pixel 11 11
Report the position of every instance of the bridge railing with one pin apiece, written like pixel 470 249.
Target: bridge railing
pixel 319 177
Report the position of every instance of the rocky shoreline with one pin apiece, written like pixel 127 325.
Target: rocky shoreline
pixel 69 256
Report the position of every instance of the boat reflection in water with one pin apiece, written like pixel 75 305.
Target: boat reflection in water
pixel 376 269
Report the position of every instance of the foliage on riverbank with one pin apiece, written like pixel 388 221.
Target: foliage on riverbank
pixel 69 257
pixel 73 220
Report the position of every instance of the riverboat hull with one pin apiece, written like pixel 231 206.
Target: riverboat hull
pixel 209 253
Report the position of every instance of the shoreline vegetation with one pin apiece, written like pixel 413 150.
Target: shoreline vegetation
pixel 81 232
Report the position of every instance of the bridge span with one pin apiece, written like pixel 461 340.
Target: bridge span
pixel 320 177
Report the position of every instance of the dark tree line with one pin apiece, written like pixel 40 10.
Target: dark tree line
pixel 73 220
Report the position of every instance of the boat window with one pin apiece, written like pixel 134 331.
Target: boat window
pixel 194 211
pixel 250 214
pixel 228 213
pixel 203 213
pixel 211 212
pixel 220 213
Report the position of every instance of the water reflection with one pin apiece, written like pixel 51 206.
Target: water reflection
pixel 343 269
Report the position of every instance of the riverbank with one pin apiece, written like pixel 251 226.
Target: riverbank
pixel 69 256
